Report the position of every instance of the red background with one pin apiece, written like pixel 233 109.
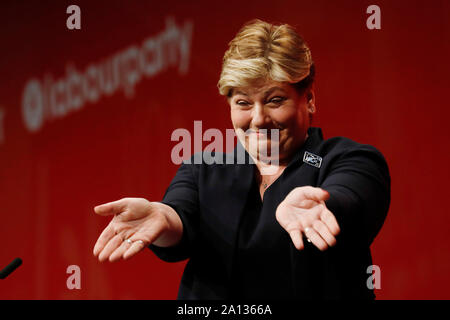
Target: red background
pixel 383 87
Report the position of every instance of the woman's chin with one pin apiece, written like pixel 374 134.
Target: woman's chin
pixel 264 157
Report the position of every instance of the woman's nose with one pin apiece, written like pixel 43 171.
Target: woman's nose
pixel 259 116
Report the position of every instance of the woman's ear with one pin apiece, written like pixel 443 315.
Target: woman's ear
pixel 311 100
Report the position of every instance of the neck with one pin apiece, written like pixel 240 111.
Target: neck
pixel 269 170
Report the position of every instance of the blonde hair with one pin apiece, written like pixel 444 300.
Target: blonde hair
pixel 262 50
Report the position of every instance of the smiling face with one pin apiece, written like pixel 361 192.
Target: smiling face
pixel 271 105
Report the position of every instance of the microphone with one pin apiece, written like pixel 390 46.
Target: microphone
pixel 10 268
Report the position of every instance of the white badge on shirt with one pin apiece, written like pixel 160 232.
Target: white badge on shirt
pixel 312 159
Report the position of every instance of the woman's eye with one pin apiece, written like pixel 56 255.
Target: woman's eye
pixel 242 103
pixel 277 100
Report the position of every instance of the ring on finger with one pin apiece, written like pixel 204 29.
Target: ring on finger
pixel 306 230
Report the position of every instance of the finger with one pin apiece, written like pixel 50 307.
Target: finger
pixel 307 193
pixel 112 245
pixel 316 194
pixel 111 208
pixel 135 247
pixel 324 233
pixel 105 236
pixel 330 221
pixel 142 239
pixel 118 253
pixel 315 238
pixel 296 237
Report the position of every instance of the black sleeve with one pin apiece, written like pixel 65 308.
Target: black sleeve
pixel 359 187
pixel 182 196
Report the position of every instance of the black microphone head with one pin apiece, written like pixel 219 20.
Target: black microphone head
pixel 10 268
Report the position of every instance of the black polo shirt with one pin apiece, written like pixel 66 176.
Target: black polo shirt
pixel 237 249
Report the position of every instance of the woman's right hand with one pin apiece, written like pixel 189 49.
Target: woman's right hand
pixel 136 224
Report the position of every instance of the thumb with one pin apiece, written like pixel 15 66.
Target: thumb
pixel 111 208
pixel 325 194
pixel 316 194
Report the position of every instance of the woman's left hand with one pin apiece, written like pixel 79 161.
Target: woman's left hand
pixel 304 211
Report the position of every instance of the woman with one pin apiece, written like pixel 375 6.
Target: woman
pixel 301 231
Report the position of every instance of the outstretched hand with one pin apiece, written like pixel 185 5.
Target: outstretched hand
pixel 304 211
pixel 136 224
